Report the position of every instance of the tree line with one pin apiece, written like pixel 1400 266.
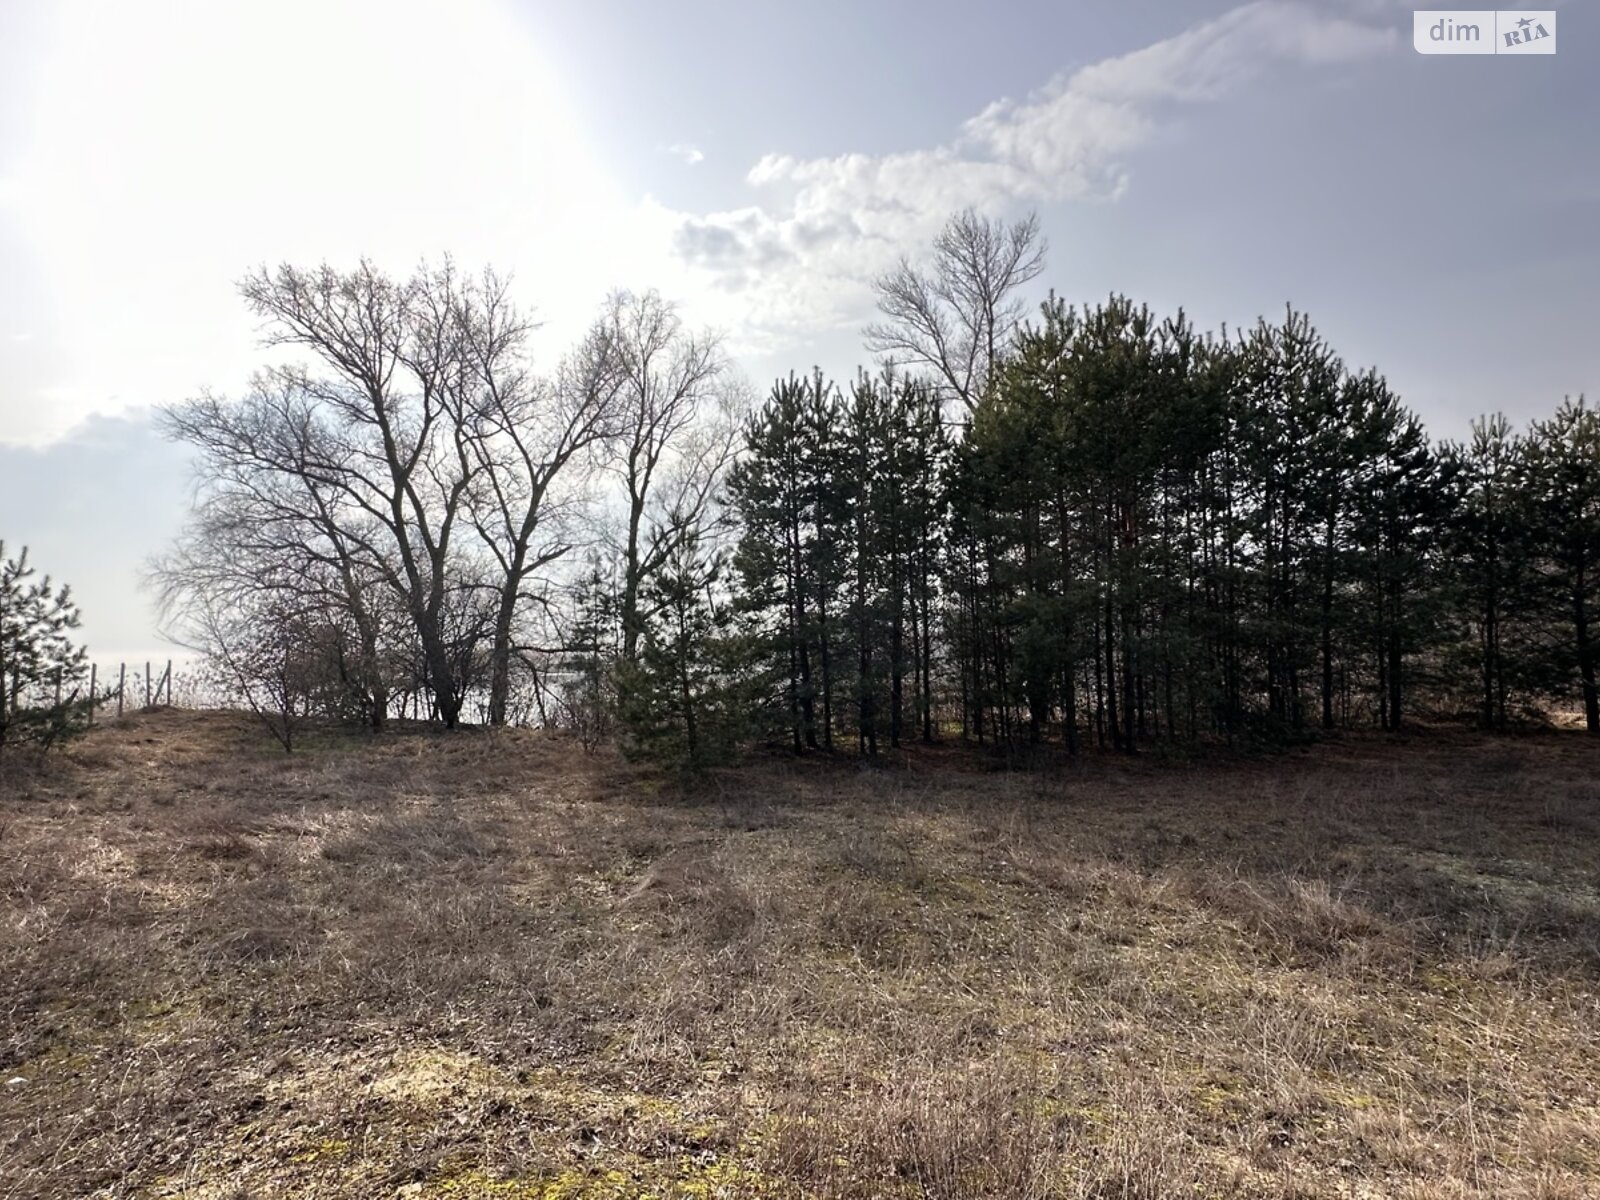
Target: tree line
pixel 1078 527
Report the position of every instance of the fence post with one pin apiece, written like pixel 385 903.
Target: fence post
pixel 94 670
pixel 147 683
pixel 122 685
pixel 169 683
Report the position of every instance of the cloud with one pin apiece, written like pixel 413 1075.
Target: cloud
pixel 806 253
pixel 220 161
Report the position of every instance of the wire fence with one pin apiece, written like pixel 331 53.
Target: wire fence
pixel 123 687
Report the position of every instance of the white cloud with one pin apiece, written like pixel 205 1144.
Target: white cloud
pixel 167 149
pixel 805 254
pixel 687 152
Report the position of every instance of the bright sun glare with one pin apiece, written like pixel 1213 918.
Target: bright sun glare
pixel 177 146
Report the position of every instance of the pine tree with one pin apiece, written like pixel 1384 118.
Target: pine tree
pixel 682 701
pixel 1489 541
pixel 1398 522
pixel 592 647
pixel 774 490
pixel 920 466
pixel 42 695
pixel 1563 489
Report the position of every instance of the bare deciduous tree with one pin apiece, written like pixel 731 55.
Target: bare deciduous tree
pixel 265 648
pixel 400 412
pixel 957 317
pixel 528 434
pixel 271 514
pixel 669 452
pixel 416 454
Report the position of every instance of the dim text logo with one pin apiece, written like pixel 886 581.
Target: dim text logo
pixel 1484 31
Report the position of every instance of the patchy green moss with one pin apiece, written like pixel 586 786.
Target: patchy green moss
pixel 322 1151
pixel 1338 1097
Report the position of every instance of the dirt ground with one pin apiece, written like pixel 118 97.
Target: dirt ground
pixel 489 965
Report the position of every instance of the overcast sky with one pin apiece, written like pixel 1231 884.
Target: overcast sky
pixel 758 162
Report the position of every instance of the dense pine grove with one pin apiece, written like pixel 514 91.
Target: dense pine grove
pixel 1084 528
pixel 1147 534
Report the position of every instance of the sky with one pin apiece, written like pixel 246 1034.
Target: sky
pixel 1438 216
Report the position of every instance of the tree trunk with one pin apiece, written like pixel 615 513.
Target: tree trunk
pixel 500 667
pixel 1586 658
pixel 1327 627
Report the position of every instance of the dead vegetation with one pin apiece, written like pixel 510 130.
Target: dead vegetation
pixel 491 966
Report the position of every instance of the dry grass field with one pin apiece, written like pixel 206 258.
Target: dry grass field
pixel 491 966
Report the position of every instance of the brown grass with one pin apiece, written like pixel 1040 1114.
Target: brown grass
pixel 491 966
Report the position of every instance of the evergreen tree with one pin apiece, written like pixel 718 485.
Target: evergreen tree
pixel 1489 542
pixel 776 492
pixel 682 700
pixel 841 507
pixel 1563 492
pixel 592 646
pixel 1398 523
pixel 42 670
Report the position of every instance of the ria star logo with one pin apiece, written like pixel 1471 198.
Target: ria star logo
pixel 1529 29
